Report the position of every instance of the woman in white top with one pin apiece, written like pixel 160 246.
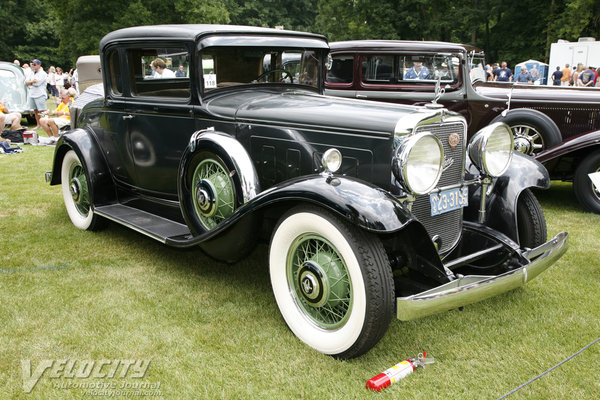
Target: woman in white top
pixel 60 79
pixel 52 84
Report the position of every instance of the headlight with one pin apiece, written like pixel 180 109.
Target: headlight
pixel 491 148
pixel 419 162
pixel 332 160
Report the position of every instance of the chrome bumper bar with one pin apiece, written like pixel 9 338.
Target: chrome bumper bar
pixel 473 288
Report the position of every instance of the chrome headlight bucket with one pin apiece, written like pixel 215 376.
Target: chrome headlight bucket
pixel 418 163
pixel 491 149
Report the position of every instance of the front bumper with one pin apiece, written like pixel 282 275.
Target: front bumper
pixel 473 288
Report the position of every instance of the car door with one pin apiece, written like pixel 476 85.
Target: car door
pixel 159 115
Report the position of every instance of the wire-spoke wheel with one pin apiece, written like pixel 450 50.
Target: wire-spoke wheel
pixel 533 130
pixel 213 193
pixel 332 282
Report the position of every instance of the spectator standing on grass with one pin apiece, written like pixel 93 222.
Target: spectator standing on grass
pixel 15 61
pixel 535 73
pixel 586 77
pixel 52 84
pixel 59 79
pixel 180 73
pixel 37 89
pixel 524 76
pixel 63 117
pixel 566 75
pixel 557 77
pixel 576 73
pixel 503 74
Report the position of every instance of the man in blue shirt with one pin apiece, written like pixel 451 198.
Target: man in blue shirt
pixel 556 77
pixel 418 71
pixel 503 74
pixel 524 76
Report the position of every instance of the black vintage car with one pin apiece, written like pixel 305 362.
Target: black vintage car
pixel 541 117
pixel 370 209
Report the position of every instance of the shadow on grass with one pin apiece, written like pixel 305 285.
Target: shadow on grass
pixel 559 195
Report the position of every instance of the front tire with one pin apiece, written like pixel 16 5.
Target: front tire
pixel 530 221
pixel 332 282
pixel 585 192
pixel 76 194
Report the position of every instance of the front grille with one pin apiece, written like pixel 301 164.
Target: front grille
pixel 449 225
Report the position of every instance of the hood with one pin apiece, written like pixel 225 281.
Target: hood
pixel 307 109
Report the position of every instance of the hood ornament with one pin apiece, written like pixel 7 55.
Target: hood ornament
pixel 439 91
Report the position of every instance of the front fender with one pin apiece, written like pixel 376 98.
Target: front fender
pixel 358 202
pixel 501 204
pixel 361 203
pixel 101 186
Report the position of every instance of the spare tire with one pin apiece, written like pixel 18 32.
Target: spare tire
pixel 533 130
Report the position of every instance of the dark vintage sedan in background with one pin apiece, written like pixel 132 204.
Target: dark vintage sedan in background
pixel 370 209
pixel 540 117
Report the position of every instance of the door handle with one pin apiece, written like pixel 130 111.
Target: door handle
pixel 361 96
pixel 127 116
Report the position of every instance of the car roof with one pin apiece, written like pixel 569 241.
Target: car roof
pixel 196 31
pixel 403 45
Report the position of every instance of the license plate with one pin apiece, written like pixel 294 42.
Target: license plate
pixel 448 200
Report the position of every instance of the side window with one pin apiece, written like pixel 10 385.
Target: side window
pixel 116 79
pixel 341 70
pixel 418 69
pixel 159 72
pixel 378 69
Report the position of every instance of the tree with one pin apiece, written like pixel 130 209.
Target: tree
pixel 294 15
pixel 83 23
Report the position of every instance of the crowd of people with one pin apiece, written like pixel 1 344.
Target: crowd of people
pixel 53 83
pixel 581 76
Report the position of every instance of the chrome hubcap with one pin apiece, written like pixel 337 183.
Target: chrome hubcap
pixel 527 139
pixel 75 189
pixel 205 197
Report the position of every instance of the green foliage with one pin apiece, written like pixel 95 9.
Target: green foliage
pixel 294 15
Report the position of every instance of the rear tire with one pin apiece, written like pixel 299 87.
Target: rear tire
pixel 332 282
pixel 530 221
pixel 585 192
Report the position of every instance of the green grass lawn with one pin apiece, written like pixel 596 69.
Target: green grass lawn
pixel 213 330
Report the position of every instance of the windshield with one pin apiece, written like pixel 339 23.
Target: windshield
pixel 230 66
pixel 12 90
pixel 477 67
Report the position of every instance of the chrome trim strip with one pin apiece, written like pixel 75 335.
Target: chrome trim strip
pixel 473 288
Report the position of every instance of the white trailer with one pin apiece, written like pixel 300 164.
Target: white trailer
pixel 585 51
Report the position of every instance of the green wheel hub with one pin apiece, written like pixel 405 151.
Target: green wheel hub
pixel 78 188
pixel 213 196
pixel 320 282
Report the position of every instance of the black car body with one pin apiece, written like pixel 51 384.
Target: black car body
pixel 364 204
pixel 541 117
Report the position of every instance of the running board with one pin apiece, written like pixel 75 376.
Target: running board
pixel 151 225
